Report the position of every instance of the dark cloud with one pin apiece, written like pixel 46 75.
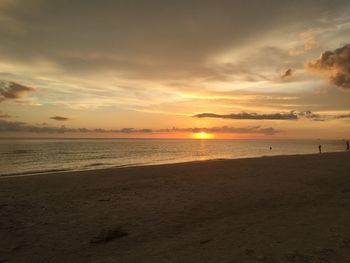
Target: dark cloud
pixel 151 38
pixel 132 130
pixel 127 130
pixel 146 131
pixel 250 116
pixel 289 72
pixel 293 115
pixel 334 66
pixel 5 116
pixel 318 117
pixel 16 126
pixel 309 114
pixel 343 116
pixel 9 126
pixel 12 90
pixel 59 118
pixel 244 130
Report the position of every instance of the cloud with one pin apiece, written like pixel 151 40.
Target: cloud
pixel 59 118
pixel 309 43
pixel 342 116
pixel 250 116
pixel 5 116
pixel 12 90
pixel 309 114
pixel 10 126
pixel 192 30
pixel 318 117
pixel 289 72
pixel 333 66
pixel 132 130
pixel 244 130
pixel 148 44
pixel 312 116
pixel 293 115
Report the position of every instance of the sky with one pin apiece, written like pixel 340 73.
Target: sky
pixel 174 69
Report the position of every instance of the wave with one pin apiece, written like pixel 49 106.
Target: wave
pixel 19 152
pixel 96 164
pixel 33 172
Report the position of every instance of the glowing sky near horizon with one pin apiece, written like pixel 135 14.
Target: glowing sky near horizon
pixel 151 68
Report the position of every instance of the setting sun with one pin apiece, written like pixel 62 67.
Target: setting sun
pixel 202 135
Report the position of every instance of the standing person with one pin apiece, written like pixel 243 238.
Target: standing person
pixel 347 146
pixel 320 148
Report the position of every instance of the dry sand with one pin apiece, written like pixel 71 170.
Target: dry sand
pixel 271 209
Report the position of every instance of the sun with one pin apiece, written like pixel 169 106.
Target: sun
pixel 202 135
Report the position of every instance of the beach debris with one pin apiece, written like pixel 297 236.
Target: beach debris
pixel 18 245
pixel 297 257
pixel 257 256
pixel 205 241
pixel 3 205
pixel 249 252
pixel 104 200
pixel 325 254
pixel 345 243
pixel 107 235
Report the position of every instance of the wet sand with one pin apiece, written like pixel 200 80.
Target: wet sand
pixel 270 209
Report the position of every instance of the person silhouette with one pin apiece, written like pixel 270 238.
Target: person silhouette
pixel 347 146
pixel 320 148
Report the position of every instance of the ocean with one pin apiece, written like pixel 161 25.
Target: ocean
pixel 32 156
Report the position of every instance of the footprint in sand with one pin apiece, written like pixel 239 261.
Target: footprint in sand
pixel 325 254
pixel 297 257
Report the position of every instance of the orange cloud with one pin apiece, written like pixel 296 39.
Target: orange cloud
pixel 333 66
pixel 59 118
pixel 289 72
pixel 12 90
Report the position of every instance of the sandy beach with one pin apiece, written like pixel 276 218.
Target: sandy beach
pixel 269 209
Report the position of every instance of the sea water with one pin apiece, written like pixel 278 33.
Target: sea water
pixel 24 156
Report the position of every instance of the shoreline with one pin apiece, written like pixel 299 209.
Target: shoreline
pixel 270 209
pixel 54 172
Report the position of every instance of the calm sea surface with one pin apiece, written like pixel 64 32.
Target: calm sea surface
pixel 37 156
